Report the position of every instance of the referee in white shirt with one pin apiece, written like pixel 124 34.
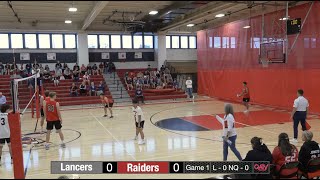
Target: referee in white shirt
pixel 299 114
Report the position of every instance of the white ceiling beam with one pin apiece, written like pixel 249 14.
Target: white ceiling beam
pixel 98 7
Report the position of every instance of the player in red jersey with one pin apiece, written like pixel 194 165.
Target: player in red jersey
pixel 284 153
pixel 53 116
pixel 42 99
pixel 107 104
pixel 246 96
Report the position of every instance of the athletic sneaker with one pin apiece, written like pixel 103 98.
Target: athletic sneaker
pixel 105 116
pixel 47 147
pixel 111 116
pixel 63 145
pixel 294 140
pixel 141 142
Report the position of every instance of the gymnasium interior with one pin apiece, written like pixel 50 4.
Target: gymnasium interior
pixel 185 62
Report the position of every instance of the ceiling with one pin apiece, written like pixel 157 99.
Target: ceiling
pixel 128 16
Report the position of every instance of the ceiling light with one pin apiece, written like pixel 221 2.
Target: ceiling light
pixel 153 12
pixel 220 15
pixel 73 9
pixel 190 25
pixel 68 21
pixel 246 27
pixel 283 19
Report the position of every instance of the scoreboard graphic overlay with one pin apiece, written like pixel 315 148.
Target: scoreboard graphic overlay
pixel 159 167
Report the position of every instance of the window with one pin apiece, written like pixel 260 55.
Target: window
pixel 16 41
pixel 192 42
pixel 210 42
pixel 217 42
pixel 92 41
pixel 4 41
pixel 115 41
pixel 126 41
pixel 168 42
pixel 175 42
pixel 184 42
pixel 233 42
pixel 104 41
pixel 137 42
pixel 255 43
pixel 313 42
pixel 70 40
pixel 57 41
pixel 306 43
pixel 30 40
pixel 225 42
pixel 44 41
pixel 148 41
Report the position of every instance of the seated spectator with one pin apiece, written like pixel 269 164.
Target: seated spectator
pixel 58 72
pixel 64 67
pixel 28 68
pixel 135 82
pixel 158 75
pixel 93 89
pixel 22 72
pixel 309 150
pixel 129 83
pixel 75 67
pixel 83 88
pixel 83 69
pixel 140 75
pixel 58 67
pixel 55 80
pixel 175 84
pixel 86 78
pixel 46 75
pixel 1 69
pixel 89 69
pixel 101 67
pixel 146 82
pixel 73 90
pixel 76 74
pixel 94 69
pixel 284 153
pixel 100 88
pixel 62 78
pixel 14 68
pixel 153 83
pixel 139 94
pixel 149 68
pixel 67 73
pixel 35 65
pixel 7 69
pixel 162 68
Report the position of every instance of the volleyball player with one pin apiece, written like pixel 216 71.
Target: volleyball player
pixel 42 99
pixel 229 132
pixel 139 120
pixel 53 116
pixel 246 96
pixel 107 105
pixel 4 129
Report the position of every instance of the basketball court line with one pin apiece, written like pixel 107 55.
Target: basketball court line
pixel 112 136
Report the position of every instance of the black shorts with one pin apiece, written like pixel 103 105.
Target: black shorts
pixel 42 112
pixel 110 104
pixel 3 141
pixel 246 99
pixel 57 125
pixel 141 124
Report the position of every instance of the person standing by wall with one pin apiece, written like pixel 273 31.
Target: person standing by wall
pixel 246 96
pixel 189 87
pixel 299 114
pixel 3 99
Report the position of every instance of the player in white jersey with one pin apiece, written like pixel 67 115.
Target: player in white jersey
pixel 139 120
pixel 4 129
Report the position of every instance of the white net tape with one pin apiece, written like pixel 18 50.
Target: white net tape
pixel 32 83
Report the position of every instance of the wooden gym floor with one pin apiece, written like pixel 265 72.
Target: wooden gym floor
pixel 91 137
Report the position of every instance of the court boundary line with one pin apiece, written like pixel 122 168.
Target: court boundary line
pixel 113 137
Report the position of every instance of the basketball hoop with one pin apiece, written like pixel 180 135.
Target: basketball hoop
pixel 265 62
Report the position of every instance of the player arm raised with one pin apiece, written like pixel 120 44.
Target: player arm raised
pixel 58 111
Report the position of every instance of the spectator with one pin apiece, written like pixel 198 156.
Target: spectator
pixel 67 73
pixel 101 67
pixel 75 67
pixel 93 89
pixel 35 64
pixel 83 88
pixel 129 83
pixel 76 75
pixel 22 72
pixel 105 65
pixel 139 94
pixel 189 87
pixel 162 68
pixel 146 82
pixel 58 72
pixel 14 68
pixel 149 68
pixel 86 78
pixel 28 68
pixel 89 69
pixel 7 69
pixel 309 150
pixel 94 69
pixel 112 67
pixel 62 78
pixel 153 82
pixel 100 88
pixel 83 69
pixel 64 67
pixel 55 80
pixel 3 99
pixel 46 75
pixel 175 84
pixel 58 66
pixel 284 153
pixel 1 68
pixel 47 68
pixel 73 90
